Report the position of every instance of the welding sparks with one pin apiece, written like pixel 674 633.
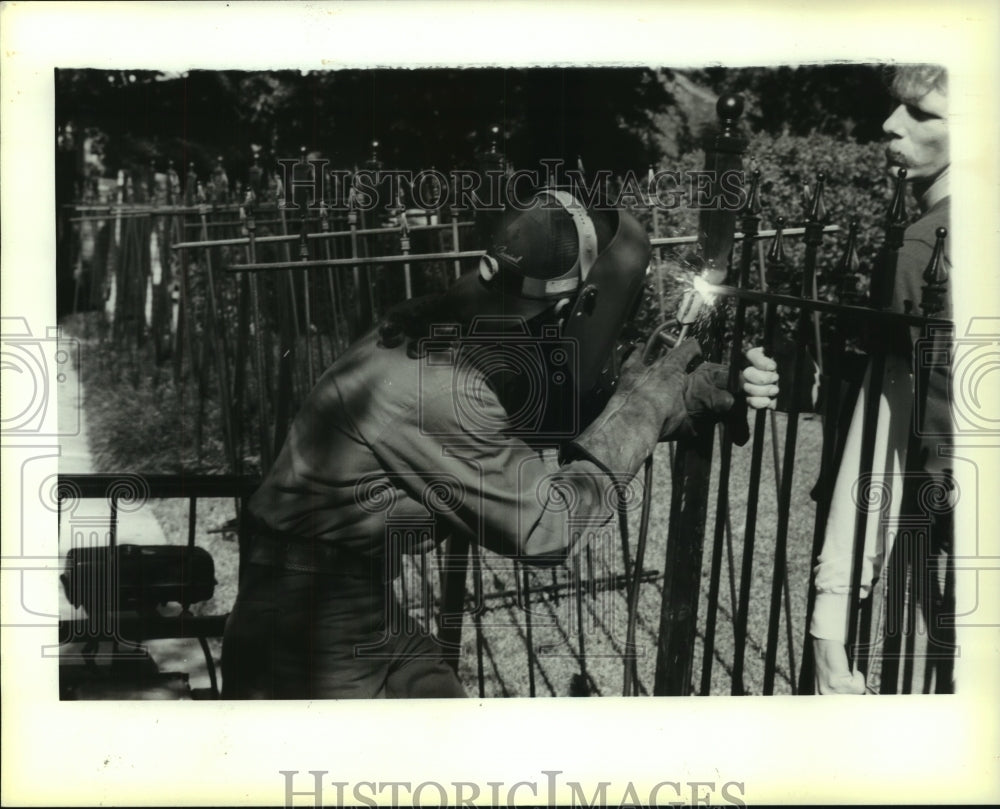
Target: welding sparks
pixel 696 301
pixel 705 289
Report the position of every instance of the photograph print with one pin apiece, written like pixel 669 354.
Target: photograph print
pixel 505 382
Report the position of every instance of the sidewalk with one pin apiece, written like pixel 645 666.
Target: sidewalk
pixel 136 527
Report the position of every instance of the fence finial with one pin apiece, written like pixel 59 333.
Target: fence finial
pixel 173 184
pixel 752 206
pixel 304 211
pixel 776 255
pixel 897 210
pixel 935 278
pixel 848 267
pixel 247 212
pixel 255 177
pixel 151 194
pixel 729 108
pixel 817 210
pixel 191 183
pixel 220 182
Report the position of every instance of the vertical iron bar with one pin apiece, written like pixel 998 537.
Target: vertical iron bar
pixel 630 681
pixel 356 271
pixel 455 244
pixel 192 519
pixel 292 306
pixel 240 374
pixel 813 239
pixel 580 631
pixel 528 623
pixel 750 225
pixel 883 282
pixel 219 348
pixel 750 531
pixel 456 567
pixel 288 334
pixel 304 256
pixel 260 365
pixel 180 335
pixel 370 314
pixel 834 372
pixel 693 461
pixel 477 589
pixel 113 527
pixel 425 592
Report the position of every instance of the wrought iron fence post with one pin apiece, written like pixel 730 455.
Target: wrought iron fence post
pixel 693 461
pixel 882 283
pixel 845 276
pixel 750 225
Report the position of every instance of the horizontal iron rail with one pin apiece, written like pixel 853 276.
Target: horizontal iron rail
pixel 330 234
pixel 663 241
pixel 145 210
pixel 134 627
pixel 184 486
pixel 418 257
pixel 827 306
pixel 617 581
pixel 412 258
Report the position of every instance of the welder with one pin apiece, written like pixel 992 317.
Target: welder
pixel 503 408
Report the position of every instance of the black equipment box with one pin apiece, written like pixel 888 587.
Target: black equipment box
pixel 144 575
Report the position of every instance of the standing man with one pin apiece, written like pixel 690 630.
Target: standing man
pixel 917 130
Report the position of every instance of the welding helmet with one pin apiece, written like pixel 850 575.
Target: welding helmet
pixel 557 248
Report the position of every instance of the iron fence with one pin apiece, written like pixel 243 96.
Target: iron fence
pixel 268 323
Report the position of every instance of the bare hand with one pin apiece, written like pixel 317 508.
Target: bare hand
pixel 832 673
pixel 759 380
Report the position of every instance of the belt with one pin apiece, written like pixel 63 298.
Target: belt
pixel 309 556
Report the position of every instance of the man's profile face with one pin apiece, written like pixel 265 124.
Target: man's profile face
pixel 918 136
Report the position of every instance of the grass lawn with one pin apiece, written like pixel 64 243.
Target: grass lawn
pixel 554 610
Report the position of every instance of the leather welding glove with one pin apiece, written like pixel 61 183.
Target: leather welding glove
pixel 651 401
pixel 706 395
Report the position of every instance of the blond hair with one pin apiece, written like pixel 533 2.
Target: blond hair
pixel 912 82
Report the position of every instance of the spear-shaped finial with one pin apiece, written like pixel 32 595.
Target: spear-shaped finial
pixel 173 184
pixel 247 212
pixel 776 255
pixel 190 185
pixel 752 206
pixel 932 301
pixel 776 261
pixel 436 191
pixel 817 210
pixel 255 176
pixel 897 210
pixel 324 215
pixel 220 181
pixel 847 268
pixel 151 181
pixel 352 199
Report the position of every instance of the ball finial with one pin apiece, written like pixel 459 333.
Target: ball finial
pixel 729 106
